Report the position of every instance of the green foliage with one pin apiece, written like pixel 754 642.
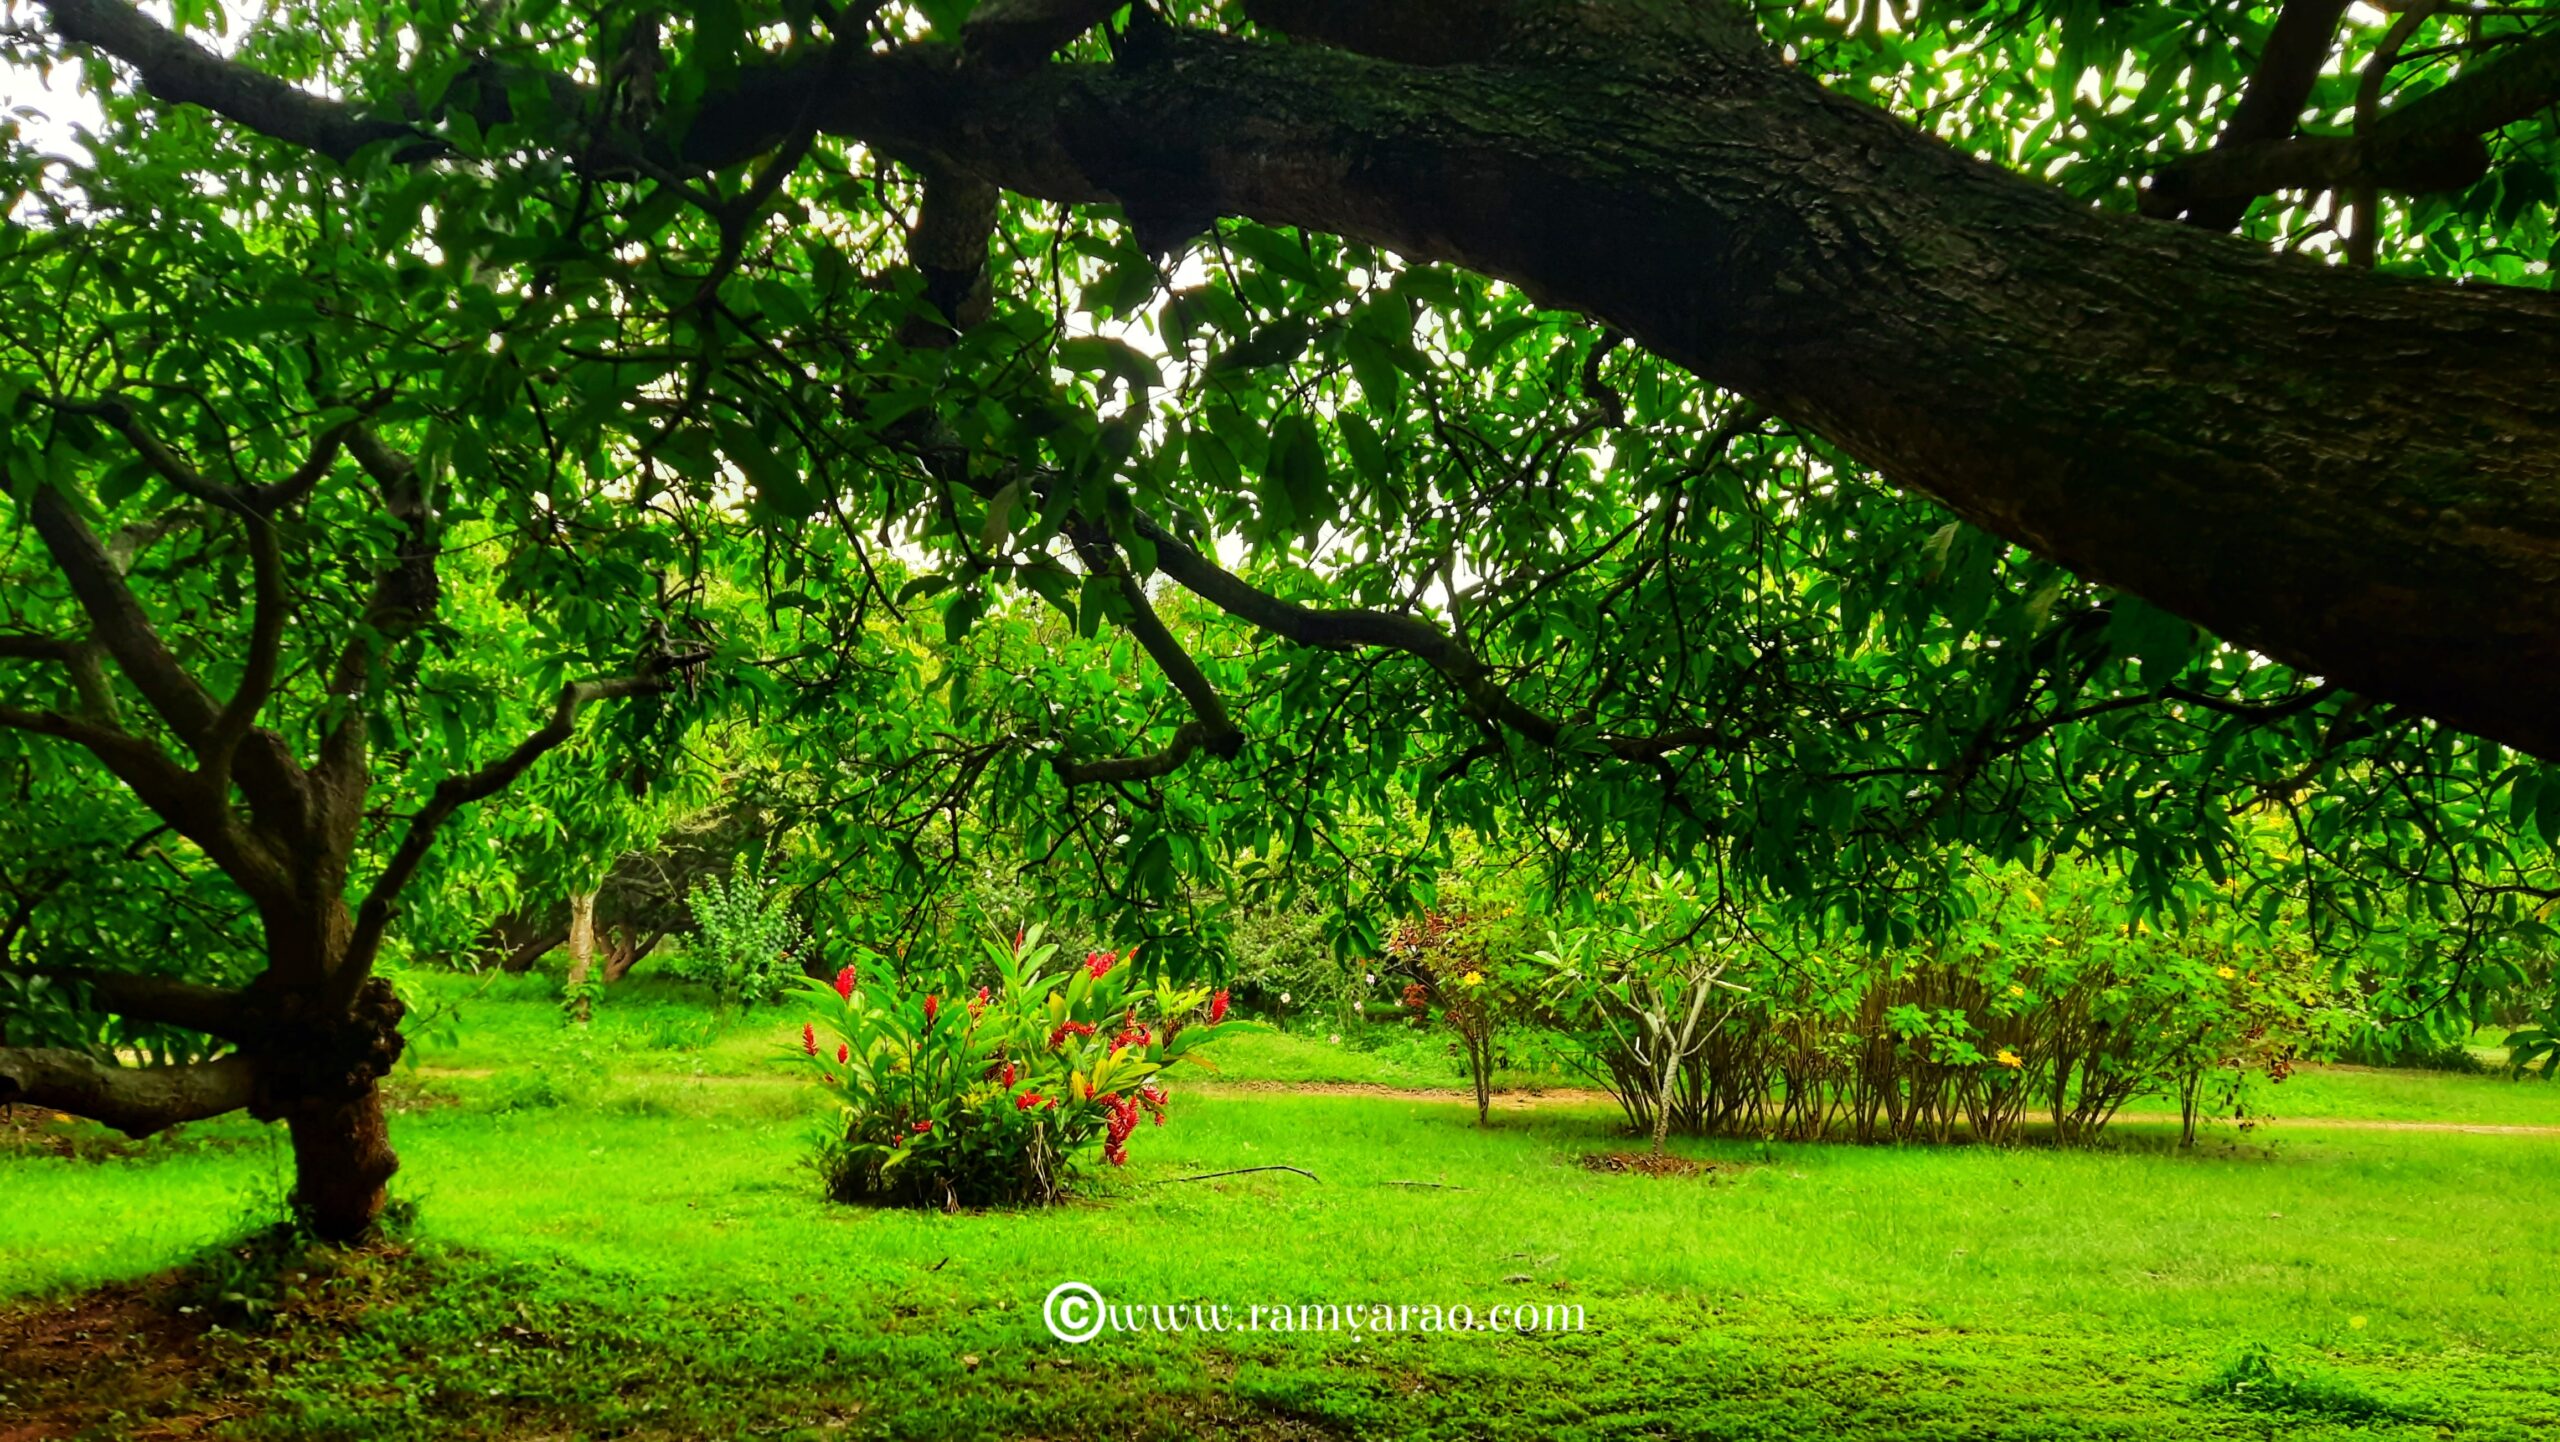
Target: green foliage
pixel 947 1098
pixel 745 941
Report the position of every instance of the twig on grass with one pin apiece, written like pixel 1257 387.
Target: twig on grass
pixel 1240 1171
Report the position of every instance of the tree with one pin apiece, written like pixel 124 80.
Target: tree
pixel 227 589
pixel 1159 440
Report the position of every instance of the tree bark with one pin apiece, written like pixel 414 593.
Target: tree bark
pixel 582 951
pixel 342 1162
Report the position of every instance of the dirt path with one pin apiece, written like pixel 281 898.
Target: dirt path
pixel 1534 1098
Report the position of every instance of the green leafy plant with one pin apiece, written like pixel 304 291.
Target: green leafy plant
pixel 745 941
pixel 953 1097
pixel 1649 979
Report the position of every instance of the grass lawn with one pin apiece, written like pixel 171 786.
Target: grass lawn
pixel 612 1238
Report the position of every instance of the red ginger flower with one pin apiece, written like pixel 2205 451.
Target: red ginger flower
pixel 844 1054
pixel 1098 963
pixel 1067 1029
pixel 1218 1007
pixel 1005 1077
pixel 932 1006
pixel 924 1126
pixel 809 1037
pixel 1025 1101
pixel 1122 1121
pixel 978 1005
pixel 844 983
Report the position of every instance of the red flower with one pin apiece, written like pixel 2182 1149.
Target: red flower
pixel 1218 1008
pixel 809 1036
pixel 1025 1101
pixel 978 1006
pixel 1005 1077
pixel 924 1126
pixel 844 983
pixel 1018 933
pixel 1098 963
pixel 844 1054
pixel 1067 1029
pixel 932 1005
pixel 1122 1121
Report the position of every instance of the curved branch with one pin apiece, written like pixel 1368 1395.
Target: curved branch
pixel 453 793
pixel 121 625
pixel 181 71
pixel 136 1101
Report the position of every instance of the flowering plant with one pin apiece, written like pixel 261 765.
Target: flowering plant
pixel 956 1095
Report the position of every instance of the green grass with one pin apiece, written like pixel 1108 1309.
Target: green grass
pixel 636 1251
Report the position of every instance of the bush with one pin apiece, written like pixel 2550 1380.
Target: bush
pixel 1464 962
pixel 2050 998
pixel 955 1096
pixel 744 944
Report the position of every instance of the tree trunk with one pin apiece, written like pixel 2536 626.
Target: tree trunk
pixel 582 950
pixel 1662 1107
pixel 631 945
pixel 342 1161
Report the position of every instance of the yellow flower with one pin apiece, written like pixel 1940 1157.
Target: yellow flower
pixel 2225 972
pixel 2017 990
pixel 2009 1059
pixel 1473 978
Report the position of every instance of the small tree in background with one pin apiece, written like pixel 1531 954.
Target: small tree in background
pixel 745 940
pixel 1460 959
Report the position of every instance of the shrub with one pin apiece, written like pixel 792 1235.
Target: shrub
pixel 744 943
pixel 2049 998
pixel 1463 962
pixel 953 1095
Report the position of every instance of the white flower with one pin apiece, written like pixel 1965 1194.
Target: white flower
pixel 1336 1038
pixel 1284 998
pixel 1360 1006
pixel 1373 978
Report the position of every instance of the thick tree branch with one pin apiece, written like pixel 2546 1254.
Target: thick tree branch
pixel 405 594
pixel 134 1100
pixel 180 71
pixel 120 623
pixel 2427 144
pixel 214 1010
